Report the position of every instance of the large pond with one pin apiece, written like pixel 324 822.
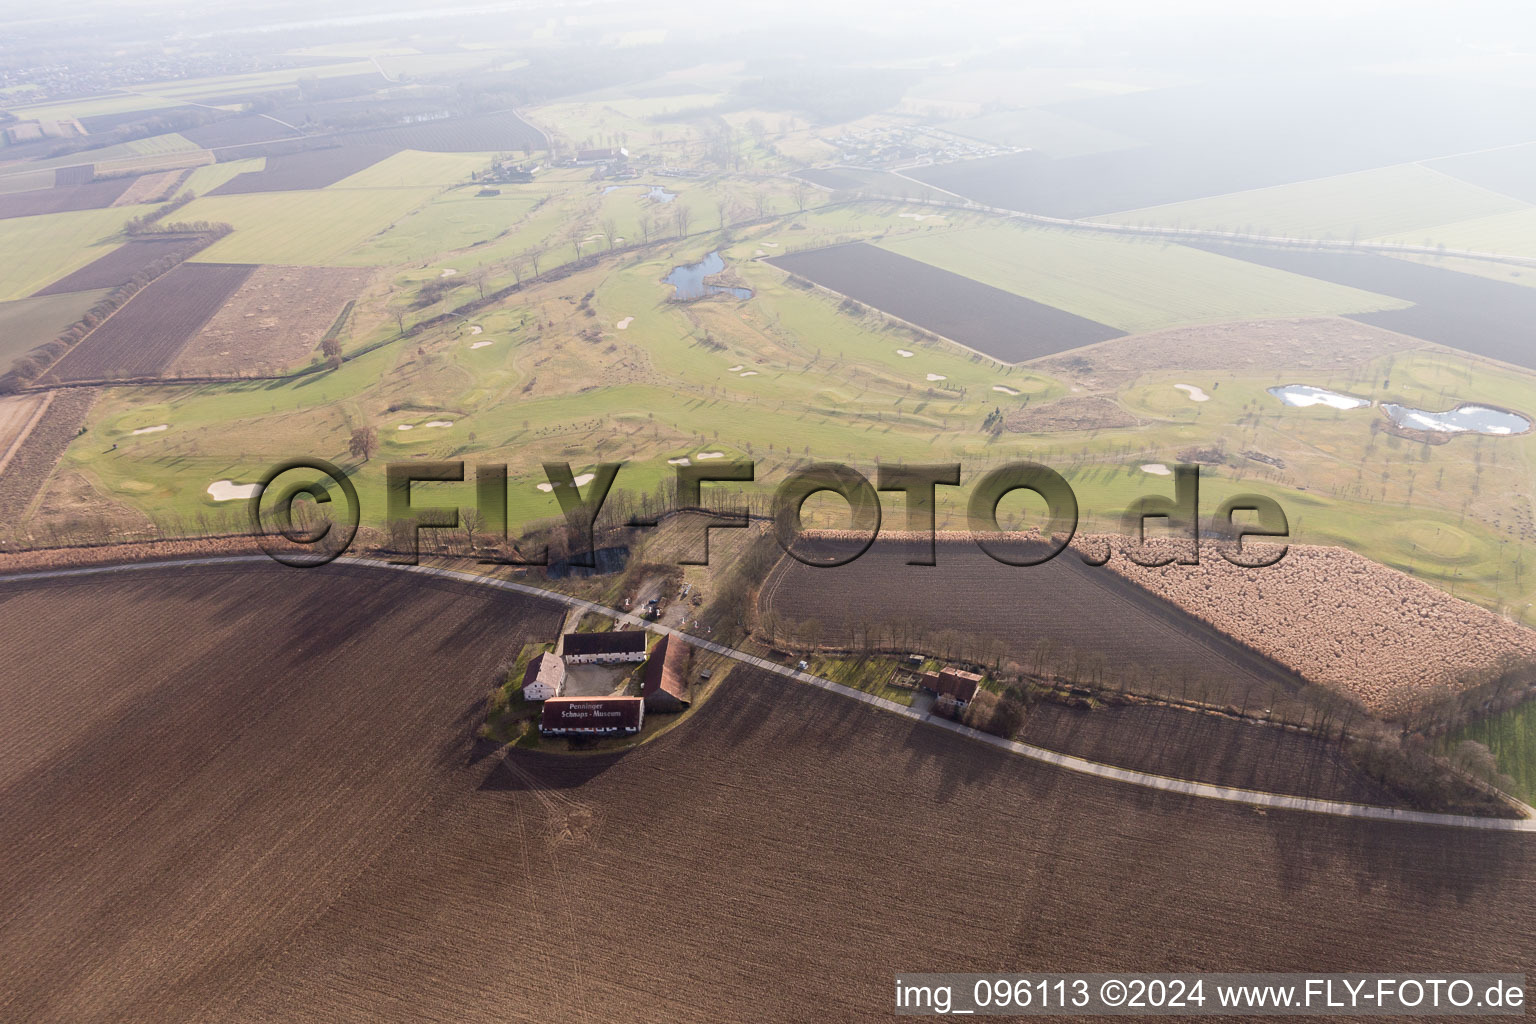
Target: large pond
pixel 1467 418
pixel 1302 395
pixel 689 280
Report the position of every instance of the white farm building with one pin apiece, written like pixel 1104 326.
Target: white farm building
pixel 544 679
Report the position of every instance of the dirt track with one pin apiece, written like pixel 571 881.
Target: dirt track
pixel 251 794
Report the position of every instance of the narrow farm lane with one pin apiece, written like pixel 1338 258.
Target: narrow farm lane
pixel 1068 762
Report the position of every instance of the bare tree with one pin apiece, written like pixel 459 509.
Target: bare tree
pixel 519 266
pixel 363 443
pixel 400 319
pixel 533 257
pixel 610 230
pixel 575 233
pixel 478 277
pixel 722 205
pixel 472 522
pixel 802 195
pixel 646 227
pixel 682 216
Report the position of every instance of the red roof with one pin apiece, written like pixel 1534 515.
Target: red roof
pixel 952 682
pixel 592 714
pixel 666 670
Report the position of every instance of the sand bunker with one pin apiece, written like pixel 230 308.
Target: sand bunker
pixel 1005 389
pixel 772 245
pixel 1195 394
pixel 475 329
pixel 682 461
pixel 749 373
pixel 920 217
pixel 228 490
pixel 154 429
pixel 406 426
pixel 937 376
pixel 733 369
pixel 438 423
pixel 623 325
pixel 905 354
pixel 448 273
pixel 479 344
pixel 759 252
pixel 710 455
pixel 581 481
pixel 1156 469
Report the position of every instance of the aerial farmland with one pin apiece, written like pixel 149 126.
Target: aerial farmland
pixel 1065 503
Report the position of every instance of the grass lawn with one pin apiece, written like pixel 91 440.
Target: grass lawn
pixel 451 221
pixel 24 181
pixel 27 323
pixel 781 377
pixel 1401 201
pixel 413 167
pixel 159 145
pixel 207 178
pixel 94 106
pixel 871 674
pixel 217 85
pixel 1511 735
pixel 55 244
pixel 301 228
pixel 1512 233
pixel 1133 285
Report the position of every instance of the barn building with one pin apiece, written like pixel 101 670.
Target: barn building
pixel 544 679
pixel 952 682
pixel 612 648
pixel 666 676
pixel 592 716
pixel 587 157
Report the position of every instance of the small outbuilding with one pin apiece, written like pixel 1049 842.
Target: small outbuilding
pixel 611 648
pixel 666 676
pixel 545 678
pixel 592 716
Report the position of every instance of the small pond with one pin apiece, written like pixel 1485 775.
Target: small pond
pixel 688 281
pixel 1467 418
pixel 605 561
pixel 655 192
pixel 1304 394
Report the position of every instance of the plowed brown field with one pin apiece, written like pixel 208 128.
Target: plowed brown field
pixel 252 794
pixel 975 606
pixel 143 337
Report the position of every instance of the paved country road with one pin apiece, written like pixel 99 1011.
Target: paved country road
pixel 1146 780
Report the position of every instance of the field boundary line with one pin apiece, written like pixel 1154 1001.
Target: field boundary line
pixel 1068 762
pixel 1185 235
pixel 26 431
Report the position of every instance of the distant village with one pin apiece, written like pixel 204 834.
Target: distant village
pixel 887 146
